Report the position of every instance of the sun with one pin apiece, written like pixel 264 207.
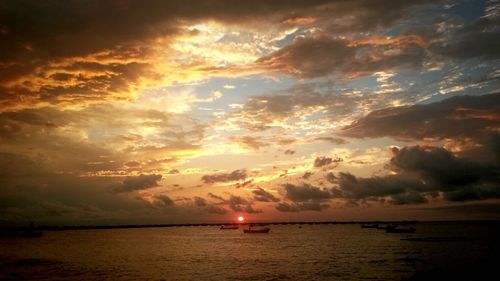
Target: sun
pixel 240 218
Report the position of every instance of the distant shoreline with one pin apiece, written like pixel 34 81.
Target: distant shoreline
pixel 88 227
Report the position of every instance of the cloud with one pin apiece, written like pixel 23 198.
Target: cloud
pixel 323 161
pixel 439 165
pixel 398 187
pixel 111 50
pixel 317 56
pixel 101 139
pixel 307 175
pixel 200 201
pixel 138 183
pixel 249 142
pixel 310 57
pixel 212 209
pixel 264 112
pixel 235 175
pixel 478 39
pixel 173 171
pixel 305 192
pixel 424 172
pixel 217 197
pixel 332 140
pixel 236 203
pixel 262 195
pixel 164 200
pixel 456 117
pixel 303 206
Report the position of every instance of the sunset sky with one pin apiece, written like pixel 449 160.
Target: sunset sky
pixel 116 112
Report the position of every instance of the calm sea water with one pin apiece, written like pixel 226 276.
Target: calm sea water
pixel 465 251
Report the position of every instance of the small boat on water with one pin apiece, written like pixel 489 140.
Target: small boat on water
pixel 252 229
pixel 396 229
pixel 229 227
pixel 374 225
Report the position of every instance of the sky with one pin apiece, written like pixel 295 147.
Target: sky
pixel 125 112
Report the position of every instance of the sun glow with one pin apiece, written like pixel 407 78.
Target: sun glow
pixel 241 219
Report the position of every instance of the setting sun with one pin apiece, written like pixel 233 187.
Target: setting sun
pixel 240 218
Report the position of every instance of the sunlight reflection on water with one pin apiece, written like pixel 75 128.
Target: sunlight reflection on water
pixel 313 252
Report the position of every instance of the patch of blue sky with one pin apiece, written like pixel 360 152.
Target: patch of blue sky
pixel 424 15
pixel 288 39
pixel 365 83
pixel 468 10
pixel 244 88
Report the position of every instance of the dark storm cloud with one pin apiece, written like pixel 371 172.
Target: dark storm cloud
pixel 323 161
pixel 457 117
pixel 235 175
pixel 399 188
pixel 468 123
pixel 305 192
pixel 262 195
pixel 138 183
pixel 442 167
pixel 303 206
pixel 424 172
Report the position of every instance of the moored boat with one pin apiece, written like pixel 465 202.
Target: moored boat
pixel 396 229
pixel 229 227
pixel 252 229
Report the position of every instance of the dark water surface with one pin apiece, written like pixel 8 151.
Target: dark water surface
pixel 441 251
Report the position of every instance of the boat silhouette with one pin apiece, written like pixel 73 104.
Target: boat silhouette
pixel 252 229
pixel 229 227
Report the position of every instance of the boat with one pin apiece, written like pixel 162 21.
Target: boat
pixel 396 229
pixel 229 227
pixel 374 225
pixel 251 229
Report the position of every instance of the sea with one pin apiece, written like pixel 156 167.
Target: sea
pixel 436 251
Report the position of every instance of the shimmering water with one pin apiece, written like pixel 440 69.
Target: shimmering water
pixel 466 251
